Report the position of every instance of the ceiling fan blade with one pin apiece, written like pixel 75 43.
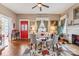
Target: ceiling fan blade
pixel 45 5
pixel 34 6
pixel 40 9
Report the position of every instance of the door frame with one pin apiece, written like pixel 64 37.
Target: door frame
pixel 20 26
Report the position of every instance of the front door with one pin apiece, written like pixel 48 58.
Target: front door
pixel 23 29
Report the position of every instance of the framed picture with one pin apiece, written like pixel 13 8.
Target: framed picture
pixel 76 22
pixel 73 22
pixel 70 22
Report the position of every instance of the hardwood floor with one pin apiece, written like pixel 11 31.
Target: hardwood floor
pixel 15 48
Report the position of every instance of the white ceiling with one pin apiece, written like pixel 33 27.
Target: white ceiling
pixel 26 8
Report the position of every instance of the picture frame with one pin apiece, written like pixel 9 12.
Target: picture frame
pixel 76 22
pixel 70 23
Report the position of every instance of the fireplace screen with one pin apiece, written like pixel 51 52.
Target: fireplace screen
pixel 75 39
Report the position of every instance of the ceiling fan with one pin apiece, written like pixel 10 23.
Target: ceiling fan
pixel 40 6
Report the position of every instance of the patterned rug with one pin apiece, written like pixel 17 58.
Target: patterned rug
pixel 27 52
pixel 64 52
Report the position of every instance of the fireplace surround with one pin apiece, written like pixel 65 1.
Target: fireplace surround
pixel 75 39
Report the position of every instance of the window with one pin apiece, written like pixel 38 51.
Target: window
pixel 5 29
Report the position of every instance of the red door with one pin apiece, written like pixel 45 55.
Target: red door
pixel 23 29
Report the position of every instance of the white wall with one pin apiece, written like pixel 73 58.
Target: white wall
pixel 73 29
pixel 7 12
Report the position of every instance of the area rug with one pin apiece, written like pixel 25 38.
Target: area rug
pixel 65 52
pixel 26 52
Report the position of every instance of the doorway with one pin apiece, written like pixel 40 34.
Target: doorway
pixel 23 29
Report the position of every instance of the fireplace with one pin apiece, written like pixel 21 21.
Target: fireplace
pixel 75 39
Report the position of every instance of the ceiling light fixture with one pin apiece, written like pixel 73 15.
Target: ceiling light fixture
pixel 40 6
